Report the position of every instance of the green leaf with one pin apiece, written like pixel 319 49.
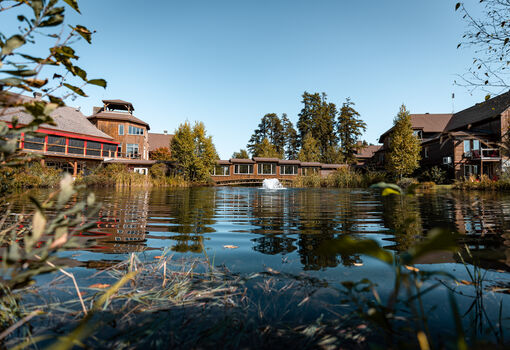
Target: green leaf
pixel 20 73
pixel 54 20
pixel 437 240
pixel 73 4
pixel 98 82
pixel 457 5
pixel 391 188
pixel 75 70
pixel 66 190
pixel 64 51
pixel 388 191
pixel 83 32
pixel 37 7
pixel 75 89
pixel 12 43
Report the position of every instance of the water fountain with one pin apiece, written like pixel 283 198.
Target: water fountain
pixel 272 184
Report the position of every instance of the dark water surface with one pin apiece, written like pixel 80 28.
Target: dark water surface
pixel 287 230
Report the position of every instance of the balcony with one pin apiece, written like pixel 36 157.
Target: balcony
pixel 486 154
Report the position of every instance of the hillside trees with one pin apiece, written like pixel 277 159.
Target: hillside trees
pixel 404 148
pixel 193 150
pixel 350 129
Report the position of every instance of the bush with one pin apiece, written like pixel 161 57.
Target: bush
pixel 31 175
pixel 405 182
pixel 342 178
pixel 434 174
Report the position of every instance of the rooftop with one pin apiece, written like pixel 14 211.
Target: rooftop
pixel 428 123
pixel 159 140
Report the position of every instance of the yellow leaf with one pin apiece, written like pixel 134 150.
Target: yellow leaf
pixel 412 268
pixel 99 285
pixel 230 246
pixel 387 191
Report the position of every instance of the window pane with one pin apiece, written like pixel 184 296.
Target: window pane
pixel 476 144
pixel 56 144
pixel 467 146
pixel 121 129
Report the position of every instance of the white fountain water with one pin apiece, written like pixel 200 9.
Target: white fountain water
pixel 272 184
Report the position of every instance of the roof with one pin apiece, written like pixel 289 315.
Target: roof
pixel 262 159
pixel 120 104
pixel 66 118
pixel 311 164
pixel 367 151
pixel 128 117
pixel 481 111
pixel 159 140
pixel 131 161
pixel 426 122
pixel 289 162
pixel 222 162
pixel 242 161
pixel 333 166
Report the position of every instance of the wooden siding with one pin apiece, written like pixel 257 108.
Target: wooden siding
pixel 111 127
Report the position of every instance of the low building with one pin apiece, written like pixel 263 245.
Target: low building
pixel 73 144
pixel 365 155
pixel 159 141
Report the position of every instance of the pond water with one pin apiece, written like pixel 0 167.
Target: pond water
pixel 252 229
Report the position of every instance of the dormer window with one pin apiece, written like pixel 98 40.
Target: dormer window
pixel 418 134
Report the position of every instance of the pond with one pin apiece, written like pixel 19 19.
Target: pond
pixel 250 230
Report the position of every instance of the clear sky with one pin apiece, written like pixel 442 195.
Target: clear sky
pixel 227 63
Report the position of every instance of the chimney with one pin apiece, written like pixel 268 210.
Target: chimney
pixel 96 110
pixel 37 95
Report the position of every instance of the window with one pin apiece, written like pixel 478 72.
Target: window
pixel 221 170
pixel 109 150
pixel 121 129
pixel 288 169
pixel 243 169
pixel 470 170
pixel 132 150
pixel 76 146
pixel 310 171
pixel 266 169
pixel 418 133
pixel 34 142
pixel 467 146
pixel 133 130
pixel 93 148
pixel 476 144
pixel 119 149
pixel 56 144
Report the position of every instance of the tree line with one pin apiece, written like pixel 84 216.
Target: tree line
pixel 323 133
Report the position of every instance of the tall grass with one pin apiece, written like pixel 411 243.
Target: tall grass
pixel 31 175
pixel 342 178
pixel 483 183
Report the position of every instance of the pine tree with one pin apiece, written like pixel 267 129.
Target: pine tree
pixel 318 119
pixel 270 127
pixel 291 138
pixel 266 149
pixel 403 155
pixel 350 128
pixel 242 154
pixel 194 151
pixel 310 151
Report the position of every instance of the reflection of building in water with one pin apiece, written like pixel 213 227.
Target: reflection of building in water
pixel 122 222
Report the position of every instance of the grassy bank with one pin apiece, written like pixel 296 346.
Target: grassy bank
pixel 342 178
pixel 484 183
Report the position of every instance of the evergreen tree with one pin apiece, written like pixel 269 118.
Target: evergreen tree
pixel 266 149
pixel 291 138
pixel 403 155
pixel 310 151
pixel 333 155
pixel 318 119
pixel 192 149
pixel 242 154
pixel 350 128
pixel 270 127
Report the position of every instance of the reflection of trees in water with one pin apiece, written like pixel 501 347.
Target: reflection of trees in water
pixel 190 213
pixel 401 214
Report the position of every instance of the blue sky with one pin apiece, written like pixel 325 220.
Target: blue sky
pixel 227 63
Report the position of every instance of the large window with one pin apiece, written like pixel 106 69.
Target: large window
pixel 310 170
pixel 93 148
pixel 121 129
pixel 288 170
pixel 133 130
pixel 470 170
pixel 266 169
pixel 243 169
pixel 56 144
pixel 76 146
pixel 221 170
pixel 109 150
pixel 34 142
pixel 132 150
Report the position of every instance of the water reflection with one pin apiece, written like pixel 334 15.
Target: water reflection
pixel 296 222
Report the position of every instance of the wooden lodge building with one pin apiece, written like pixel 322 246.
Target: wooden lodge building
pixel 257 169
pixel 78 144
pixel 466 143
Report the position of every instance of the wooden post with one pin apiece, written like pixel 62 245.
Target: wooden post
pixel 75 168
pixel 45 148
pixel 67 144
pixel 85 148
pixel 22 141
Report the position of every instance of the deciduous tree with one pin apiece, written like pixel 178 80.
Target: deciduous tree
pixel 161 153
pixel 350 128
pixel 192 149
pixel 403 155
